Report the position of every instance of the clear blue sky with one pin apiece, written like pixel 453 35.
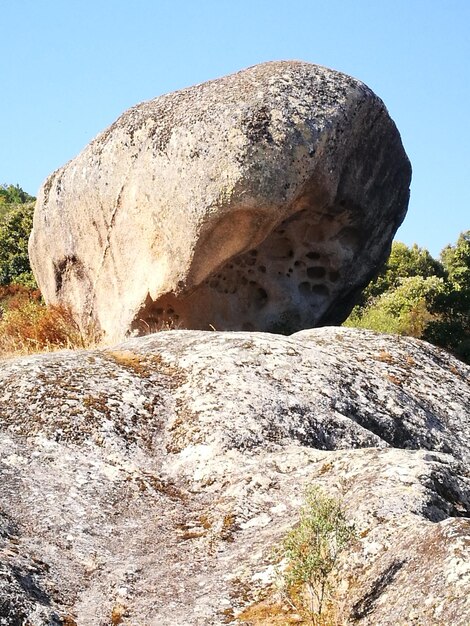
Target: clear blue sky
pixel 70 67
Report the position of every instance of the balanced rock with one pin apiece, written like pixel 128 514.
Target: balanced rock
pixel 148 483
pixel 264 200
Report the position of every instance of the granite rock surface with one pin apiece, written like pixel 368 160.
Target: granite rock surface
pixel 262 201
pixel 147 484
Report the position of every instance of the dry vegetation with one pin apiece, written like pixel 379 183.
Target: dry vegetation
pixel 27 325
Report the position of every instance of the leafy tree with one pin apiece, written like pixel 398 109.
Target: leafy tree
pixel 403 262
pixel 405 309
pixel 451 328
pixel 415 294
pixel 16 222
pixel 456 260
pixel 10 197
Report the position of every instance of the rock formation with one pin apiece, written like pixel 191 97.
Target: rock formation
pixel 146 484
pixel 264 200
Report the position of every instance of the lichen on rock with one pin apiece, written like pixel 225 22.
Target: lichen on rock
pixel 152 479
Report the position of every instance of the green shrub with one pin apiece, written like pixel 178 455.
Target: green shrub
pixel 312 551
pixel 417 295
pixel 13 194
pixel 16 222
pixel 405 310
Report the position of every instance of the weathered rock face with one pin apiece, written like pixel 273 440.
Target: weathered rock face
pixel 148 483
pixel 260 201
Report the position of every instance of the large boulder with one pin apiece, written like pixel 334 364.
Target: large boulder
pixel 148 483
pixel 263 200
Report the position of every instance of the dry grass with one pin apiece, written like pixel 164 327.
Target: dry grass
pixel 27 325
pixel 384 357
pixel 263 614
pixel 134 362
pixel 272 611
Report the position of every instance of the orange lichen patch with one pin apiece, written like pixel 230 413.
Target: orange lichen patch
pixel 117 614
pixel 192 534
pixel 325 468
pixel 205 521
pixel 229 526
pixel 229 520
pixel 145 365
pixel 151 482
pixel 394 379
pixel 384 357
pixel 132 361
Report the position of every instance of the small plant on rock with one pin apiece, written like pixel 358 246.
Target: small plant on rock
pixel 311 551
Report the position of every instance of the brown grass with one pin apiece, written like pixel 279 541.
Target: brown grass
pixel 27 325
pixel 264 614
pixel 267 612
pixel 132 361
pixel 384 357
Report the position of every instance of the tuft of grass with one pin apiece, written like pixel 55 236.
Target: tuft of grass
pixel 263 613
pixel 27 325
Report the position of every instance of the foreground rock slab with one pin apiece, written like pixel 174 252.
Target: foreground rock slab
pixel 264 200
pixel 148 483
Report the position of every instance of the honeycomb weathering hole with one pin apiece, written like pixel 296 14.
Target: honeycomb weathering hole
pixel 283 285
